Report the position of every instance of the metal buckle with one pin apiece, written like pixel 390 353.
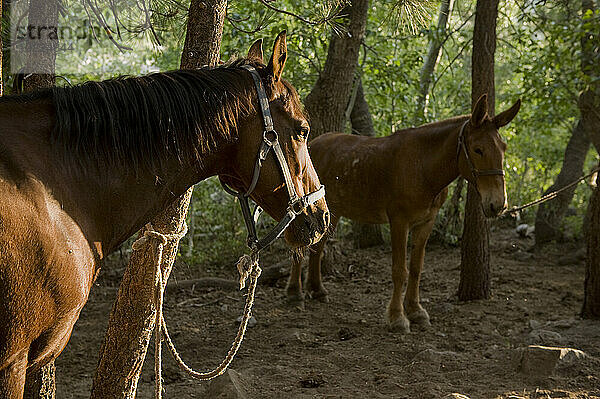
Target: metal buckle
pixel 270 141
pixel 298 206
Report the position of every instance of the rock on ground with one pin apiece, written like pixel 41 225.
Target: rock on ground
pixel 543 360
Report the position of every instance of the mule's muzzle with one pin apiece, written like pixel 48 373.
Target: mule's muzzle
pixel 494 209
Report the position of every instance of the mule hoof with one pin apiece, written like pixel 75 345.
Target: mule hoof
pixel 294 297
pixel 420 317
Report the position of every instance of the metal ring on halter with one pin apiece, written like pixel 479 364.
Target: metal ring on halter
pixel 297 204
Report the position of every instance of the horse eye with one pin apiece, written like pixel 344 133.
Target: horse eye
pixel 479 151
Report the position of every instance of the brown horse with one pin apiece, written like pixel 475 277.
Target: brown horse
pixel 402 180
pixel 83 168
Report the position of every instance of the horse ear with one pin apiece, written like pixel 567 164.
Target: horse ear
pixel 256 50
pixel 504 118
pixel 277 62
pixel 479 111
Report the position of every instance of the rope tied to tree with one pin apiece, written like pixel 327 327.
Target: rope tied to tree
pixel 248 268
pixel 551 195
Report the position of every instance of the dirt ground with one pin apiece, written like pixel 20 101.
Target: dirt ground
pixel 342 349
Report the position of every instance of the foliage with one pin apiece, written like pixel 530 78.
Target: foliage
pixel 537 59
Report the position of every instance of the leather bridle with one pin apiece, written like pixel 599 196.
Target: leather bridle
pixel 474 171
pixel 296 205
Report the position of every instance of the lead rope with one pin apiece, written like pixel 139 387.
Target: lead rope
pixel 247 266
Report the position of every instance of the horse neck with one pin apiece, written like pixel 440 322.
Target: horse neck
pixel 108 203
pixel 440 161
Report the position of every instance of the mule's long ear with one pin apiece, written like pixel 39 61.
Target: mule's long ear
pixel 255 51
pixel 504 118
pixel 277 62
pixel 479 111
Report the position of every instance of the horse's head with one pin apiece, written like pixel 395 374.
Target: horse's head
pixel 481 155
pixel 290 128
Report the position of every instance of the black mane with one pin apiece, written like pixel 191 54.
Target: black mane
pixel 141 121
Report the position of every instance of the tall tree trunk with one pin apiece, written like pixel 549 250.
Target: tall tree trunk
pixel 431 60
pixel 365 235
pixel 132 317
pixel 41 57
pixel 41 53
pixel 591 299
pixel 475 251
pixel 327 102
pixel 550 214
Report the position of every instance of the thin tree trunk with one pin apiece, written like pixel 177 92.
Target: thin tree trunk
pixel 327 102
pixel 550 214
pixel 365 235
pixel 41 57
pixel 132 317
pixel 434 52
pixel 475 251
pixel 591 298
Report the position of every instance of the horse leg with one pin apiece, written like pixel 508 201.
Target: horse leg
pixel 314 282
pixel 415 312
pixel 294 285
pixel 12 376
pixel 395 311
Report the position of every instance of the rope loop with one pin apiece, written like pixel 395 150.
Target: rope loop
pixel 248 268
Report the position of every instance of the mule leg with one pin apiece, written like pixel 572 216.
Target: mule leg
pixel 12 376
pixel 415 312
pixel 395 311
pixel 314 282
pixel 294 285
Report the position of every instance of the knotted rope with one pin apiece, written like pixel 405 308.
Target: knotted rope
pixel 247 266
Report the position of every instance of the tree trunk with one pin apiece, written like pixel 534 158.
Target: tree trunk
pixel 550 214
pixel 41 57
pixel 41 53
pixel 132 317
pixel 591 299
pixel 475 251
pixel 432 59
pixel 327 102
pixel 365 235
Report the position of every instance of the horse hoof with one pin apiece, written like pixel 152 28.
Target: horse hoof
pixel 420 317
pixel 295 298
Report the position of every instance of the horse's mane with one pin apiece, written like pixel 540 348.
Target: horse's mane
pixel 141 121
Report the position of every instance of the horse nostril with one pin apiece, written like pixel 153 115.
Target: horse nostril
pixel 493 209
pixel 326 219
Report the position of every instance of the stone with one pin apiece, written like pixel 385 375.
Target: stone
pixel 251 321
pixel 230 385
pixel 534 324
pixel 542 361
pixel 455 396
pixel 545 337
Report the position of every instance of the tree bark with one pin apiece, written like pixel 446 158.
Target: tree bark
pixel 550 214
pixel 41 57
pixel 364 235
pixel 431 60
pixel 591 298
pixel 132 317
pixel 475 251
pixel 41 54
pixel 327 102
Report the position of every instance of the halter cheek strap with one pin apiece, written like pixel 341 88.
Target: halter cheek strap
pixel 297 204
pixel 462 146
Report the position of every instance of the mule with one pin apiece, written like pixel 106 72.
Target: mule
pixel 403 179
pixel 84 168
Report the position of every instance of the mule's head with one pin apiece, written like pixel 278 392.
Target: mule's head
pixel 485 149
pixel 291 125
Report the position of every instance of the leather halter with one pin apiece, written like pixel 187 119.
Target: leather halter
pixel 296 205
pixel 462 145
